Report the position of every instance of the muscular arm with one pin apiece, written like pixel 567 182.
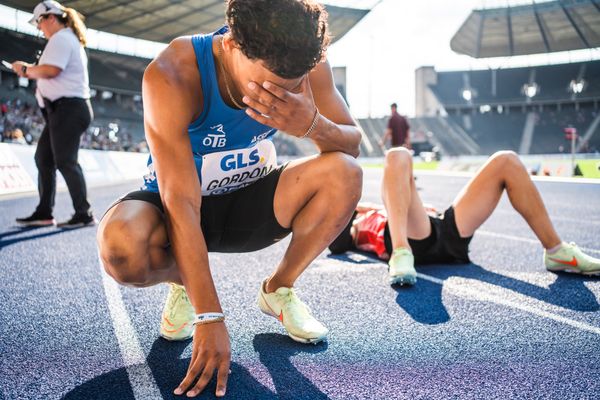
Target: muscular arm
pixel 336 129
pixel 169 107
pixel 171 89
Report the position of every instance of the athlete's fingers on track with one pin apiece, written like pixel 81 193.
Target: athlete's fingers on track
pixel 222 376
pixel 207 374
pixel 193 371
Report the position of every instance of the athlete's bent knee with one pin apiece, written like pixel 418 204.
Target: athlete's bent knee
pixel 346 171
pixel 398 157
pixel 505 155
pixel 343 180
pixel 507 159
pixel 123 253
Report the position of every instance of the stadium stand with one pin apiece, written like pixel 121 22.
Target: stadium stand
pixel 115 79
pixel 499 114
pixel 492 131
pixel 448 137
pixel 374 128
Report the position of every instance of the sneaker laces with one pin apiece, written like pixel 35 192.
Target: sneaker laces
pixel 173 298
pixel 291 301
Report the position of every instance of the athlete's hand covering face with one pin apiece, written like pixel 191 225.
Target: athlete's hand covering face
pixel 289 110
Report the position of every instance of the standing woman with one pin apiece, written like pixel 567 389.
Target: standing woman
pixel 63 94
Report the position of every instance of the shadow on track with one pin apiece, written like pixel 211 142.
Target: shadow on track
pixel 18 233
pixel 275 352
pixel 169 369
pixel 423 302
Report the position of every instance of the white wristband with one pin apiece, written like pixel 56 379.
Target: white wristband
pixel 208 318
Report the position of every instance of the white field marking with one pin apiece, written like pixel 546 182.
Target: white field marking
pixel 463 174
pixel 140 376
pixel 460 288
pixel 553 218
pixel 523 239
pixel 337 266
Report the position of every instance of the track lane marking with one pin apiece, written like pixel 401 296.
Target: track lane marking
pixel 140 376
pixel 497 299
pixel 511 212
pixel 524 239
pixel 535 178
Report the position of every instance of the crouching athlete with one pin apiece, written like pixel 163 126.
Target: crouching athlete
pixel 211 106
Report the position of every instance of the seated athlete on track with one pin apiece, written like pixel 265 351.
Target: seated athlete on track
pixel 211 106
pixel 405 234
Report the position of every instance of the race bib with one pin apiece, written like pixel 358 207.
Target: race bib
pixel 226 171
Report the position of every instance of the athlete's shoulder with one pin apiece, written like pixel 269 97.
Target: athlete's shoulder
pixel 171 83
pixel 321 74
pixel 175 64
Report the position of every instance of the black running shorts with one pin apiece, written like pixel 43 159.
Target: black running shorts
pixel 443 246
pixel 236 222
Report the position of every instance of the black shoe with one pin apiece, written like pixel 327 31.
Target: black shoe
pixel 78 221
pixel 36 219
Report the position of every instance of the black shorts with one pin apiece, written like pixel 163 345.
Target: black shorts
pixel 443 246
pixel 236 222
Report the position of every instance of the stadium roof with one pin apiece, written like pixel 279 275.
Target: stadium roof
pixel 547 27
pixel 163 20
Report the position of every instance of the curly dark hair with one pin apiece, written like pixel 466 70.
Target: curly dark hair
pixel 289 36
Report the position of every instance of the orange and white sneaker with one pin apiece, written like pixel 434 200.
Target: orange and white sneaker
pixel 294 315
pixel 178 315
pixel 570 258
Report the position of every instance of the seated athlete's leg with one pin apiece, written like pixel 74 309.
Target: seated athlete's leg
pixel 316 197
pixel 133 244
pixel 477 200
pixel 406 215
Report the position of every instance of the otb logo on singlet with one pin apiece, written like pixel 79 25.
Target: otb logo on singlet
pixel 216 139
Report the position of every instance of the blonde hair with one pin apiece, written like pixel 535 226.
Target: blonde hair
pixel 74 20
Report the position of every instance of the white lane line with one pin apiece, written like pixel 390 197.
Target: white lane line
pixel 485 296
pixel 464 174
pixel 523 239
pixel 140 376
pixel 553 218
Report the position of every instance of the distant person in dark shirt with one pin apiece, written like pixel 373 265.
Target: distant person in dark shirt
pixel 398 129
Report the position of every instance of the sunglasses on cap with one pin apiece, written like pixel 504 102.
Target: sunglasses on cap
pixel 41 18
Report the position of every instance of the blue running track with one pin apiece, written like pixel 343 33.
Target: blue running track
pixel 499 328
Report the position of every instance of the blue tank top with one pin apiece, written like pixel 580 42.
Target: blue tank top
pixel 230 149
